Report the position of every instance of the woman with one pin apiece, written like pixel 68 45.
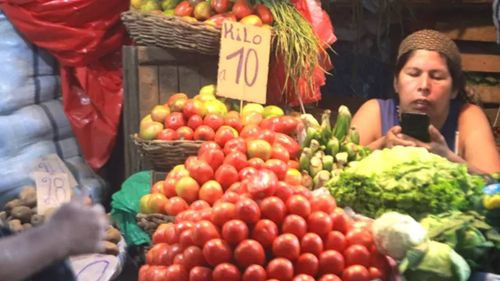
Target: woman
pixel 429 79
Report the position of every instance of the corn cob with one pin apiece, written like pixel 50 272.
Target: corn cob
pixel 326 128
pixel 343 123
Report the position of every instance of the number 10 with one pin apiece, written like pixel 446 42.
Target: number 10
pixel 240 53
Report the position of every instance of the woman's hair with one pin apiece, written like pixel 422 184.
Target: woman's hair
pixel 435 41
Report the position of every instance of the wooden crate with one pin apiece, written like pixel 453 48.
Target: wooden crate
pixel 150 76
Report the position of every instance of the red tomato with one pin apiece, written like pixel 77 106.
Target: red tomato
pixel 280 268
pixel 262 184
pixel 319 223
pixel 224 134
pixel 231 197
pixel 298 205
pixel 236 144
pixel 335 240
pixel 185 133
pixel 194 122
pixel 289 143
pixel 169 187
pixel 265 232
pixel 237 187
pixel 235 231
pixel 199 205
pixel 324 202
pixel 250 131
pixel 170 234
pixel 217 251
pixel 376 273
pixel 200 273
pixel 214 121
pixel 236 159
pixel 379 261
pixel 208 145
pixel 287 246
pixel 213 156
pixel 174 121
pixel 256 162
pixel 279 167
pixel 223 212
pixel 303 277
pixel 247 210
pixel 193 256
pixel 247 172
pixel 283 191
pixel 279 152
pixel 357 254
pixel 226 175
pixel 267 17
pixel 249 252
pixel 340 222
pixel 142 272
pixel 186 238
pixel 159 254
pixel 176 205
pixel 226 272
pixel 356 273
pixel 156 273
pixel 330 277
pixel 360 237
pixel 203 132
pixel 183 226
pixel 293 164
pixel 254 272
pixel 176 272
pixel 167 135
pixel 203 232
pixel 331 261
pixel 307 263
pixel 266 135
pixel 183 9
pixel 311 243
pixel 234 122
pixel 274 209
pixel 301 190
pixel 174 250
pixel 294 224
pixel 179 259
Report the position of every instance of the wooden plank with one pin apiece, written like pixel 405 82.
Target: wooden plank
pixel 130 109
pixel 468 32
pixel 148 88
pixel 155 55
pixel 169 81
pixel 208 70
pixel 189 79
pixel 486 94
pixel 481 62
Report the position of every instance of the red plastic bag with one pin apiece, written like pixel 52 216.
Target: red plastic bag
pixel 86 37
pixel 323 28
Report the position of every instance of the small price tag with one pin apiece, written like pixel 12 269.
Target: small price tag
pixel 94 267
pixel 53 164
pixel 52 190
pixel 243 62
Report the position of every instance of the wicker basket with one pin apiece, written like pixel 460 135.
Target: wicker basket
pixel 164 155
pixel 172 32
pixel 149 222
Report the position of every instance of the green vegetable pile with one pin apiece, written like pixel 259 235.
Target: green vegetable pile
pixel 407 180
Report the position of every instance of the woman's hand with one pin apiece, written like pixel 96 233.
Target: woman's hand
pixel 395 137
pixel 437 145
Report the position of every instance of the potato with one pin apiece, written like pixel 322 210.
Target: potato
pixel 27 226
pixel 28 196
pixel 110 248
pixel 3 215
pixel 15 226
pixel 113 235
pixel 22 213
pixel 12 204
pixel 37 220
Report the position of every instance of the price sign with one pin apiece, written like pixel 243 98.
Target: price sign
pixel 53 164
pixel 94 267
pixel 243 62
pixel 52 190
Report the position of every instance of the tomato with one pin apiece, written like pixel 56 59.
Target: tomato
pixel 301 190
pixel 273 208
pixel 220 6
pixel 356 273
pixel 360 237
pixel 295 225
pixel 267 17
pixel 279 167
pixel 379 261
pixel 357 254
pixel 213 156
pixel 193 256
pixel 307 263
pixel 185 133
pixel 256 162
pixel 324 202
pixel 223 212
pixel 200 170
pixel 203 232
pixel 226 272
pixel 289 143
pixel 298 205
pixel 186 238
pixel 171 236
pixel 303 277
pixel 234 231
pixel 237 187
pixel 156 273
pixel 376 273
pixel 247 210
pixel 236 159
pixel 174 121
pixel 214 121
pixel 258 148
pixel 194 122
pixel 236 144
pixel 335 240
pixel 224 134
pixel 153 255
pixel 330 277
pixel 279 152
pixel 179 259
pixel 249 252
pixel 159 236
pixel 176 272
pixel 208 145
pixel 319 223
pixel 280 268
pixel 173 251
pixel 203 132
pixel 183 9
pixel 340 222
pixel 331 261
pixel 254 272
pixel 266 135
pixel 262 184
pixel 176 205
pixel 250 131
pixel 247 172
pixel 265 232
pixel 293 177
pixel 205 214
pixel 143 271
pixel 231 197
pixel 287 246
pixel 200 273
pixel 234 122
pixel 311 243
pixel 293 164
pixel 200 204
pixel 217 251
pixel 226 175
pixel 169 187
pixel 283 191
pixel 183 226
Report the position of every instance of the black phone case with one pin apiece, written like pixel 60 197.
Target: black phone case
pixel 416 125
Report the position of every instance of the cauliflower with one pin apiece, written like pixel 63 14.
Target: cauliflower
pixel 395 233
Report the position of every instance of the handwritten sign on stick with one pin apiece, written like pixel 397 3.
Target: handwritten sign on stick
pixel 52 190
pixel 94 267
pixel 51 163
pixel 243 62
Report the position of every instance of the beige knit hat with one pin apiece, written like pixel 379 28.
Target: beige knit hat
pixel 433 41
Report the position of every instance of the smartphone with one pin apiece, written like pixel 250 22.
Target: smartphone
pixel 416 125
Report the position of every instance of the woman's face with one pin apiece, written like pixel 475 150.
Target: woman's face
pixel 424 85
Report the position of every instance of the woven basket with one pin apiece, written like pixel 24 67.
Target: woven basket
pixel 172 32
pixel 150 222
pixel 164 155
